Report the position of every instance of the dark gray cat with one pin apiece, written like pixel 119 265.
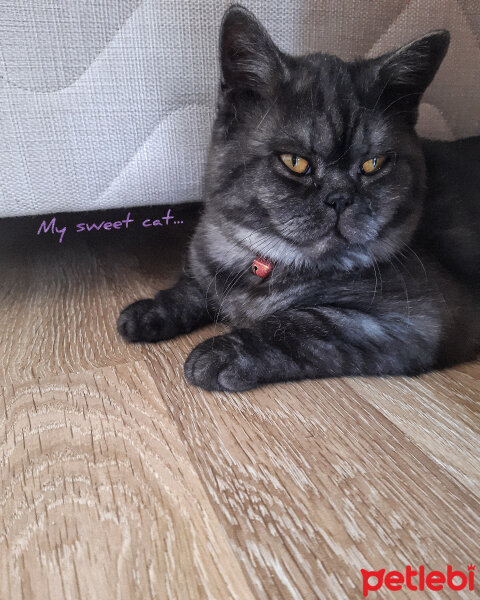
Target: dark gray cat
pixel 364 240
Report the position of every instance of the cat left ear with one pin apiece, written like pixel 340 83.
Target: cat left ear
pixel 249 58
pixel 406 73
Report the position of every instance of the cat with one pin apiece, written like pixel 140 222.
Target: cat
pixel 333 240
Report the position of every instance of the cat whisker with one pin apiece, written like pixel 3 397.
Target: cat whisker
pixel 407 300
pixel 266 113
pixel 418 259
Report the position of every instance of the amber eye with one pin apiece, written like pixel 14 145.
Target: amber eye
pixel 372 165
pixel 295 163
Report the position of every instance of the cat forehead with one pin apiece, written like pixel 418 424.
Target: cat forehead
pixel 319 75
pixel 319 87
pixel 320 107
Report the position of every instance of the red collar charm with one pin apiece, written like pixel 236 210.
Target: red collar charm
pixel 262 267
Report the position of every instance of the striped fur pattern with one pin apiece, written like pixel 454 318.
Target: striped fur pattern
pixel 372 274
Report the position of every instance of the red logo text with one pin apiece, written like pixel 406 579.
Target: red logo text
pixel 418 579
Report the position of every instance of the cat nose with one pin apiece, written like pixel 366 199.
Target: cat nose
pixel 339 201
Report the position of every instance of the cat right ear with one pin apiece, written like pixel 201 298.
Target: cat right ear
pixel 249 59
pixel 407 72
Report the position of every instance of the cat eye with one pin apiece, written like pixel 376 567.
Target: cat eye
pixel 372 165
pixel 295 163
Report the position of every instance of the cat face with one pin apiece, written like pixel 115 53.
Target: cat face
pixel 314 159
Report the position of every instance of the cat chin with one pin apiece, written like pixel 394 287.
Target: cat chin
pixel 244 244
pixel 239 244
pixel 276 248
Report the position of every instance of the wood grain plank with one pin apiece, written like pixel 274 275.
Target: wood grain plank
pixel 314 484
pixel 99 498
pixel 439 412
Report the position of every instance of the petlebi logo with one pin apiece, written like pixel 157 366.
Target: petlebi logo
pixel 418 579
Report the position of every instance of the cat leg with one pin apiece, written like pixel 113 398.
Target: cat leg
pixel 171 312
pixel 312 343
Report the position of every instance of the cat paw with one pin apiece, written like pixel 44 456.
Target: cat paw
pixel 144 321
pixel 222 363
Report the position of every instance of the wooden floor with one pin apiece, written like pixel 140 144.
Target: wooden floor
pixel 120 481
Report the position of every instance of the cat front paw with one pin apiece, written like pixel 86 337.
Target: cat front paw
pixel 222 363
pixel 144 321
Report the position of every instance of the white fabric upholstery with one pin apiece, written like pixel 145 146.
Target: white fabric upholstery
pixel 109 103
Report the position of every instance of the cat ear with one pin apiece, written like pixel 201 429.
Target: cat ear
pixel 407 72
pixel 249 58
